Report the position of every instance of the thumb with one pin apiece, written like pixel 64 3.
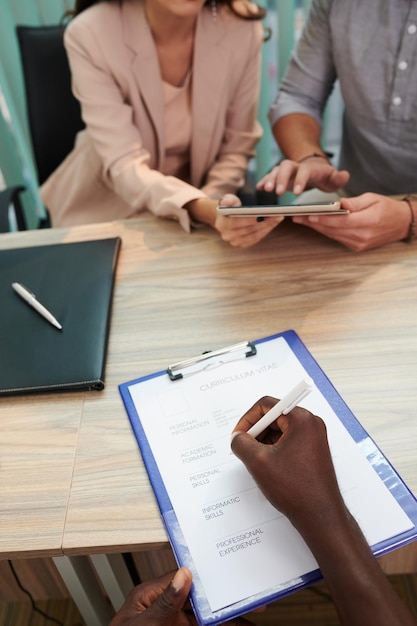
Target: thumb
pixel 229 199
pixel 339 178
pixel 355 203
pixel 244 446
pixel 167 606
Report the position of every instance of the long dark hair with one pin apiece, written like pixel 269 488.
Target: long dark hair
pixel 81 5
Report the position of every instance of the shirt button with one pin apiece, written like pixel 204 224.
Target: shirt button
pixel 396 101
pixel 412 29
pixel 402 65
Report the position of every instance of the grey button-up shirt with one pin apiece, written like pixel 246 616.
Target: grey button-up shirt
pixel 371 47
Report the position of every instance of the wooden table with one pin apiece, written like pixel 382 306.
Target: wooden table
pixel 74 482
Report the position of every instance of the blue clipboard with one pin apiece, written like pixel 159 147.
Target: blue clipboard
pixel 381 465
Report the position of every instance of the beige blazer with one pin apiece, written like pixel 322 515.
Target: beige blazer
pixel 114 170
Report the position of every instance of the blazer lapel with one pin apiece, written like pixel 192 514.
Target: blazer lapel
pixel 145 67
pixel 210 72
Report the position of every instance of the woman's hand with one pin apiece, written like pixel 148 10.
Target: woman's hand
pixel 243 232
pixel 240 232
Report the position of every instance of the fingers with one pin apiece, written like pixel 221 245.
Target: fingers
pixel 241 232
pixel 323 221
pixel 229 199
pixel 297 177
pixel 169 604
pixel 361 202
pixel 255 413
pixel 295 472
pixel 287 176
pixel 280 178
pixel 338 179
pixel 250 450
pixel 244 447
pixel 301 180
pixel 366 226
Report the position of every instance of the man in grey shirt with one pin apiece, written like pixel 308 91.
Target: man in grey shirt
pixel 371 47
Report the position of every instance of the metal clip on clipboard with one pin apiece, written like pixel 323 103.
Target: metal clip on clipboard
pixel 173 370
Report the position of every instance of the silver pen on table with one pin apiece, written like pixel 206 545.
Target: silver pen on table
pixel 30 298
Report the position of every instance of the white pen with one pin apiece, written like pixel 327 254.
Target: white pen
pixel 284 406
pixel 30 298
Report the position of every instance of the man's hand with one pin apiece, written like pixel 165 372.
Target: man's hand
pixel 373 220
pixel 159 602
pixel 314 172
pixel 294 471
pixel 162 602
pixel 292 465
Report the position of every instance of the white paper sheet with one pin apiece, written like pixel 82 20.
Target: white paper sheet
pixel 240 545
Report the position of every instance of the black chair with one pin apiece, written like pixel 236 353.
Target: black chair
pixel 11 211
pixel 53 112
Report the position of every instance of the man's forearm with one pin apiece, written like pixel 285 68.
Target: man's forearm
pixel 362 594
pixel 298 135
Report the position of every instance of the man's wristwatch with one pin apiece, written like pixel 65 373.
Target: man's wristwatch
pixel 412 228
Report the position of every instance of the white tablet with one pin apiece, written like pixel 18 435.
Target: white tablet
pixel 327 208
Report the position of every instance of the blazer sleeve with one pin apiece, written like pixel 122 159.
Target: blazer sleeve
pixel 127 164
pixel 242 130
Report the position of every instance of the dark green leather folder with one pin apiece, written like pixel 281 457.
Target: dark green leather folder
pixel 75 282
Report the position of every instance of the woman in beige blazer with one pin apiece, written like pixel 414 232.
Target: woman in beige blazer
pixel 168 92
